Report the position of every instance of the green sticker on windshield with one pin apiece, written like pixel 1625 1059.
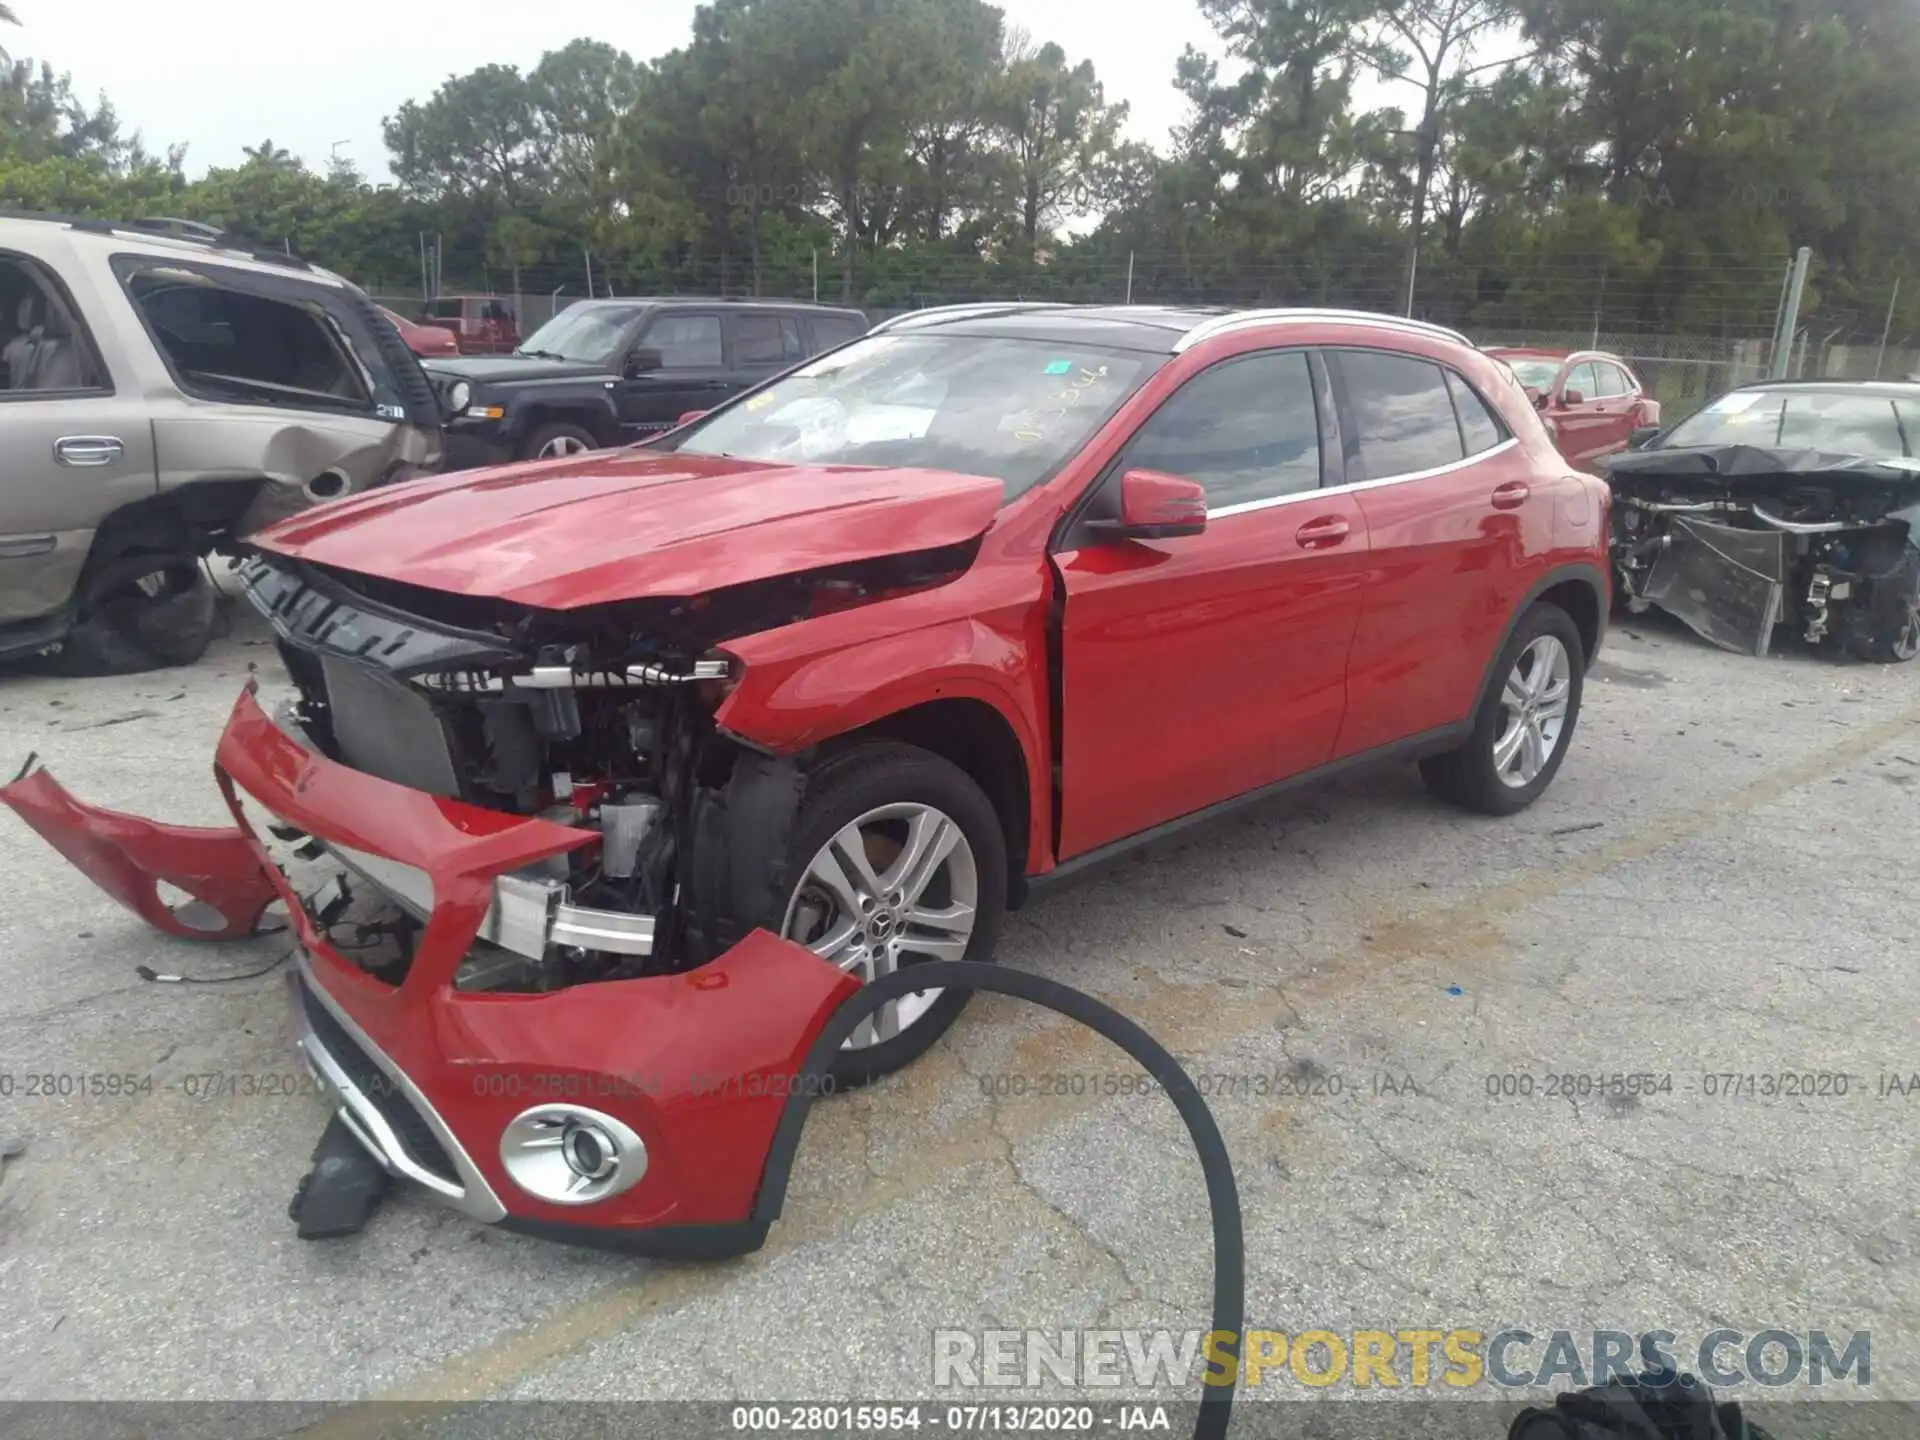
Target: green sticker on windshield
pixel 1059 367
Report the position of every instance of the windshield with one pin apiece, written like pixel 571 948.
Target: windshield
pixel 1534 372
pixel 1014 410
pixel 1799 419
pixel 587 333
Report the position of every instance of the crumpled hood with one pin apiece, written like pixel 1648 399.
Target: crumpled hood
pixel 629 525
pixel 1732 463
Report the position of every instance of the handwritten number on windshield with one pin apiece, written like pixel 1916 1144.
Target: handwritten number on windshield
pixel 1032 421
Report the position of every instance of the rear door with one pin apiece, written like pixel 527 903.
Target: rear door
pixel 76 442
pixel 693 374
pixel 1447 493
pixel 1616 406
pixel 1198 668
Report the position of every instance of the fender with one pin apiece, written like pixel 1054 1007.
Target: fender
pixel 587 393
pixel 1591 575
pixel 788 702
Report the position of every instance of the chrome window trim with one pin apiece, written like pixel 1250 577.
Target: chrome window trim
pixel 1246 319
pixel 473 1196
pixel 1249 506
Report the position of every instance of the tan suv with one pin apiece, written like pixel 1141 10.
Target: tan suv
pixel 165 391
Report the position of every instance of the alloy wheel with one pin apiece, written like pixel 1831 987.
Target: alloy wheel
pixel 893 886
pixel 561 445
pixel 1534 701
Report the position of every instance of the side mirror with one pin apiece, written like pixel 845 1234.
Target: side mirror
pixel 1540 398
pixel 1570 396
pixel 1154 506
pixel 643 358
pixel 1643 437
pixel 689 417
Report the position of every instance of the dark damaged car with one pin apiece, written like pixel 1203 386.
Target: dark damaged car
pixel 641 763
pixel 1782 503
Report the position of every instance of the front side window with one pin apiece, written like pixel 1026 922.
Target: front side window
pixel 1402 412
pixel 1584 381
pixel 228 344
pixel 1014 410
pixel 585 334
pixel 686 341
pixel 43 344
pixel 1247 429
pixel 1612 380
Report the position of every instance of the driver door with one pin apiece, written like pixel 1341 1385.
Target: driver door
pixel 1198 668
pixel 693 373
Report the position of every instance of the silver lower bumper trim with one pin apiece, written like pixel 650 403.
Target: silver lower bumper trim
pixel 472 1195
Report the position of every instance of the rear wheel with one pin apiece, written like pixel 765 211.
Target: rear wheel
pixel 551 442
pixel 1525 724
pixel 137 613
pixel 899 859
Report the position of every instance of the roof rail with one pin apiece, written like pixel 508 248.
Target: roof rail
pixel 1241 319
pixel 979 310
pixel 185 229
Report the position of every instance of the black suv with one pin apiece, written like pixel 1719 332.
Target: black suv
pixel 612 372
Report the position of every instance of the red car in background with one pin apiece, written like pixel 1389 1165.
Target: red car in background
pixel 423 340
pixel 1592 401
pixel 648 758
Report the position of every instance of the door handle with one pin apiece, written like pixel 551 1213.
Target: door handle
pixel 88 449
pixel 1511 496
pixel 1327 530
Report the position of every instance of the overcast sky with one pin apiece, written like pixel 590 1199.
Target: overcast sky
pixel 220 74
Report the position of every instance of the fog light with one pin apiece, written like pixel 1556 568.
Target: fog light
pixel 569 1156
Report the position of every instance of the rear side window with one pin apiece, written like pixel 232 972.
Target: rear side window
pixel 1478 429
pixel 1247 429
pixel 237 345
pixel 1403 413
pixel 686 340
pixel 767 339
pixel 1585 379
pixel 44 345
pixel 832 330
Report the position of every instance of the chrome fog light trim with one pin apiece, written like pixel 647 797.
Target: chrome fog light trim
pixel 566 1155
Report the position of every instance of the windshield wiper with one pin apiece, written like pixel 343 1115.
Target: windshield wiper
pixel 541 354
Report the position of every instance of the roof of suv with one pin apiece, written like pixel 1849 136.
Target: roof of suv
pixel 1156 329
pixel 1892 389
pixel 165 238
pixel 670 302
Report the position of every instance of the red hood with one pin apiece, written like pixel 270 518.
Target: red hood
pixel 556 534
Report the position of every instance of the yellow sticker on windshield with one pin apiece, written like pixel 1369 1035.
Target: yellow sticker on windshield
pixel 757 401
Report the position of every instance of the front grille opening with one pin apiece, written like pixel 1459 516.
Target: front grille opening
pixel 422 1146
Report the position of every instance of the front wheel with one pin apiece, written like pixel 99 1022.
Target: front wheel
pixel 1525 724
pixel 899 859
pixel 552 442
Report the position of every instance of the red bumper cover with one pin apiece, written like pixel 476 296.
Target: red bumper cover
pixel 697 1065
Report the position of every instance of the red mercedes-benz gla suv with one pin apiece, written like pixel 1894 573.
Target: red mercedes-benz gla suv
pixel 643 760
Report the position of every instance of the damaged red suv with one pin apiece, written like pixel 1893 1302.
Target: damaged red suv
pixel 634 765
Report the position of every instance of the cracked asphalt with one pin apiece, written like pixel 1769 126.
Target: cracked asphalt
pixel 1719 884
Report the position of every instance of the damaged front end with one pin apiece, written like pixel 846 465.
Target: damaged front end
pixel 1737 540
pixel 537 891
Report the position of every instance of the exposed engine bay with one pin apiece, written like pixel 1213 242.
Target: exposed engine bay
pixel 598 718
pixel 1736 540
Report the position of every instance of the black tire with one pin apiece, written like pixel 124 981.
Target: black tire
pixel 1468 776
pixel 122 629
pixel 867 777
pixel 546 435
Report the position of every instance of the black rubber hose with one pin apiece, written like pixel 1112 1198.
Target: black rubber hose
pixel 1223 1194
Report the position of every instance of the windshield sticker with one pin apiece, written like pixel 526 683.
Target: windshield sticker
pixel 759 402
pixel 1735 403
pixel 1059 367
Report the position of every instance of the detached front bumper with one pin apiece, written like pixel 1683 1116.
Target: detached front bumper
pixel 677 1082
